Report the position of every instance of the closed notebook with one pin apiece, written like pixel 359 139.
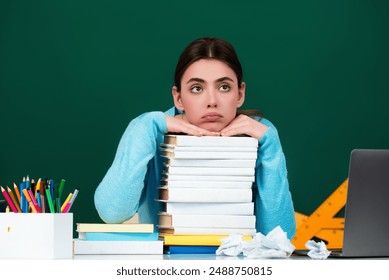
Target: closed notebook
pixel 208 240
pixel 118 236
pixel 210 163
pixel 92 227
pixel 205 195
pixel 89 247
pixel 208 148
pixel 216 171
pixel 206 184
pixel 207 221
pixel 187 249
pixel 207 231
pixel 173 177
pixel 246 208
pixel 215 141
pixel 208 155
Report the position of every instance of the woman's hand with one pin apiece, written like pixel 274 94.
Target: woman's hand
pixel 244 125
pixel 177 124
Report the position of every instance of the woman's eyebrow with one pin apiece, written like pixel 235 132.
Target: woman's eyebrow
pixel 195 80
pixel 222 79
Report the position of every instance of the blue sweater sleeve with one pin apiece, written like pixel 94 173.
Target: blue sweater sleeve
pixel 274 205
pixel 118 195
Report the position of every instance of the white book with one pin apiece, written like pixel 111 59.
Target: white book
pixel 87 247
pixel 215 141
pixel 207 184
pixel 208 155
pixel 217 171
pixel 206 221
pixel 205 195
pixel 208 149
pixel 173 177
pixel 211 163
pixel 206 231
pixel 246 208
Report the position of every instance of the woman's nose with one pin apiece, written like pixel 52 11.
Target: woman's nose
pixel 212 99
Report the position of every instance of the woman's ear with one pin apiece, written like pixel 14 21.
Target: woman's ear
pixel 177 99
pixel 241 95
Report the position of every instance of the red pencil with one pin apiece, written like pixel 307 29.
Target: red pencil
pixel 14 199
pixel 9 201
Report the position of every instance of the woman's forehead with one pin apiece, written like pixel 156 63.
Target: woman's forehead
pixel 208 70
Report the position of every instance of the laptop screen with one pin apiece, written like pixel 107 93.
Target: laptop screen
pixel 366 229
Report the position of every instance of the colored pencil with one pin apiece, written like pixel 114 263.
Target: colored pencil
pixel 9 201
pixel 13 198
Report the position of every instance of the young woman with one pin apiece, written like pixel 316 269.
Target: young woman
pixel 208 89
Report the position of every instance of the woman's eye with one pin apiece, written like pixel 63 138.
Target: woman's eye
pixel 225 88
pixel 195 89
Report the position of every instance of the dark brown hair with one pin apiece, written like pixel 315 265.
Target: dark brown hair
pixel 207 48
pixel 211 48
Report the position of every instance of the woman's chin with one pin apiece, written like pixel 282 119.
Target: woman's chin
pixel 213 127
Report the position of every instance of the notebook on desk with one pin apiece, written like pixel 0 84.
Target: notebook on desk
pixel 366 227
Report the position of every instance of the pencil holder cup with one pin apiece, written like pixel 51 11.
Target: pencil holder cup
pixel 36 236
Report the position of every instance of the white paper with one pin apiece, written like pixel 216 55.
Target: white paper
pixel 317 250
pixel 274 245
pixel 231 245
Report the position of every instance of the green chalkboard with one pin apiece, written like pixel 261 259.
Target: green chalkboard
pixel 74 73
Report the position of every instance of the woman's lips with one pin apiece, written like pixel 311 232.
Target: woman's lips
pixel 212 117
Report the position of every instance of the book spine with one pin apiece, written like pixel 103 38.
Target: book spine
pixel 206 195
pixel 212 221
pixel 210 208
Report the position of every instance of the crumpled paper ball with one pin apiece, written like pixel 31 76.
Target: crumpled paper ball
pixel 274 245
pixel 231 245
pixel 317 250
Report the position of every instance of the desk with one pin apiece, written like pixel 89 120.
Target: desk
pixel 196 266
pixel 175 257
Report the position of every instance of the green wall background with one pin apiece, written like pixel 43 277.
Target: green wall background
pixel 74 73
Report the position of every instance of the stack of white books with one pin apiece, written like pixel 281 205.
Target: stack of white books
pixel 206 187
pixel 116 239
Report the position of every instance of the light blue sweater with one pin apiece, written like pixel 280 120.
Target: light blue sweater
pixel 131 183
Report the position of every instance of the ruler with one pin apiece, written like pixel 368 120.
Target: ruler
pixel 322 224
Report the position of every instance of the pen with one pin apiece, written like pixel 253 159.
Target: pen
pixel 51 187
pixel 57 199
pixel 28 198
pixel 61 186
pixel 9 201
pixel 70 203
pixel 49 200
pixel 13 198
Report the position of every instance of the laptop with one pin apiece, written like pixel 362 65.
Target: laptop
pixel 366 223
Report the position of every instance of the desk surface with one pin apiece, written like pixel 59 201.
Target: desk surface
pixel 173 257
pixel 197 257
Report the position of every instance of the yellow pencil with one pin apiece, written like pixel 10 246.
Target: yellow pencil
pixel 13 198
pixel 66 201
pixel 38 187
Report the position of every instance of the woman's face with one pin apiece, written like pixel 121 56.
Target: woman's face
pixel 209 94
